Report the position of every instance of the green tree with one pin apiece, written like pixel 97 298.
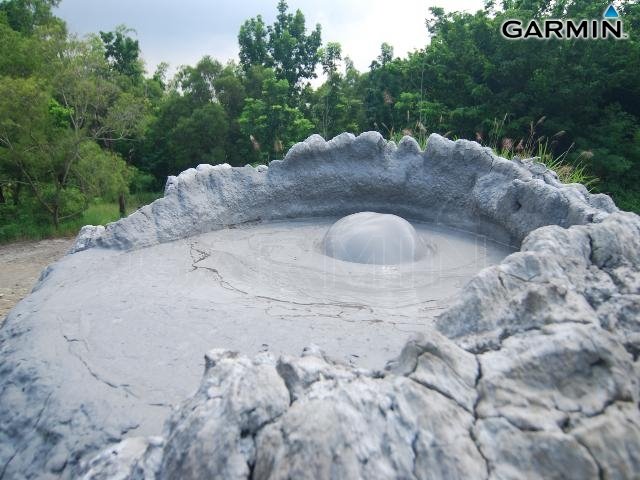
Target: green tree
pixel 272 124
pixel 160 75
pixel 198 82
pixel 24 121
pixel 329 94
pixel 284 46
pixel 330 57
pixel 253 41
pixel 123 53
pixel 231 93
pixel 25 16
pixel 50 127
pixel 200 137
pixel 386 55
pixel 192 123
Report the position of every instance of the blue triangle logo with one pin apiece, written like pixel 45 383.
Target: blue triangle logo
pixel 611 12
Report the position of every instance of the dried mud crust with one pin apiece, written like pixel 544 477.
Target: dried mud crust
pixel 538 377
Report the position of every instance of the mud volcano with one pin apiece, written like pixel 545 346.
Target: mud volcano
pixel 459 316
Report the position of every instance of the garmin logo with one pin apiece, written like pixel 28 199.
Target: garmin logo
pixel 610 26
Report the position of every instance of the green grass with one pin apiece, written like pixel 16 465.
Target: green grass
pixel 568 172
pixel 537 147
pixel 26 226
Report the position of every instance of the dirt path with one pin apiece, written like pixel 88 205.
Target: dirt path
pixel 20 267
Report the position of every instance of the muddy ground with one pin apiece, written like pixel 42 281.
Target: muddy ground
pixel 20 267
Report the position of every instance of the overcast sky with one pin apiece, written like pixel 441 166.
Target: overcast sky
pixel 181 32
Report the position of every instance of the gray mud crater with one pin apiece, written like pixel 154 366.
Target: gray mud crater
pixel 140 322
pixel 501 362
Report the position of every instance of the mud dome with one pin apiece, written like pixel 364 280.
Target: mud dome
pixel 375 238
pixel 525 366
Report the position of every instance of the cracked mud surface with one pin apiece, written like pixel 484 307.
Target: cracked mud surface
pixel 542 385
pixel 130 328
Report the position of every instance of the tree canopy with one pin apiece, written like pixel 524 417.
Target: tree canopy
pixel 81 119
pixel 284 46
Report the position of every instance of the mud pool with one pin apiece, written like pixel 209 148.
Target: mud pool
pixel 140 320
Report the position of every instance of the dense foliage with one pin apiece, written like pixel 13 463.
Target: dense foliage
pixel 80 119
pixel 64 111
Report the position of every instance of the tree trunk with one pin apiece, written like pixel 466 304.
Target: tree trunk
pixel 2 199
pixel 122 204
pixel 56 217
pixel 16 193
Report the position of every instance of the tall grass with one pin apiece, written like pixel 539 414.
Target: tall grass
pixel 533 146
pixel 539 148
pixel 419 134
pixel 24 225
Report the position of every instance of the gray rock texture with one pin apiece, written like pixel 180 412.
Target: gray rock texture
pixel 559 402
pixel 533 372
pixel 457 183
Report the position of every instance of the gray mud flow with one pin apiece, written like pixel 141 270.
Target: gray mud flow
pixel 137 323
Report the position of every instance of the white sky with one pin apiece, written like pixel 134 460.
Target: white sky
pixel 182 32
